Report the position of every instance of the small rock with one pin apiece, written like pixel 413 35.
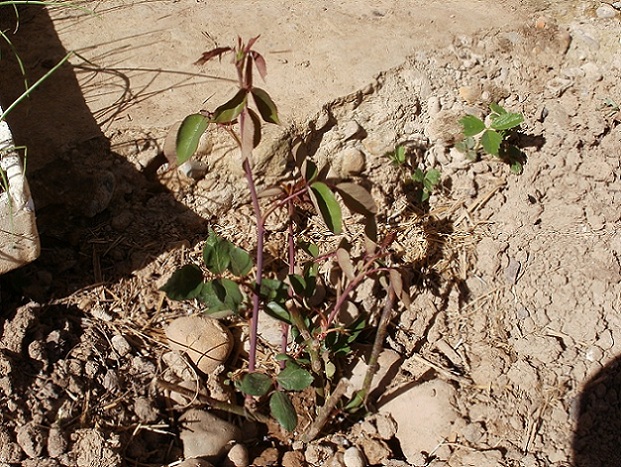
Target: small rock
pixel 120 345
pixel 56 442
pixel 317 454
pixel 204 339
pixel 293 459
pixel 237 457
pixel 268 457
pixel 353 457
pixel 353 161
pixel 144 410
pixel 616 5
pixel 606 11
pixel 198 462
pixel 376 450
pixel 30 438
pixel 10 452
pixel 205 435
pixel 386 426
pixel 470 94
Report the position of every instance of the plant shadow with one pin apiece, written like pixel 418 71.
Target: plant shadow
pixel 596 439
pixel 100 217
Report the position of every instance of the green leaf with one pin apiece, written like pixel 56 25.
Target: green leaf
pixel 491 141
pixel 516 167
pixel 327 205
pixel 278 311
pixel 189 136
pixel 433 176
pixel 309 170
pixel 507 121
pixel 265 106
pixel 294 378
pixel 184 283
pixel 310 248
pixel 230 110
pixel 497 108
pixel 274 289
pixel 298 283
pixel 472 125
pixel 217 253
pixel 282 357
pixel 398 156
pixel 256 122
pixel 357 198
pixel 282 410
pixel 418 176
pixel 240 261
pixel 221 295
pixel 255 384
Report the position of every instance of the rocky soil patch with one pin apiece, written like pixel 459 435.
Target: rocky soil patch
pixel 507 355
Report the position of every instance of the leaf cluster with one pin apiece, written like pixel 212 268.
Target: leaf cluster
pixel 492 138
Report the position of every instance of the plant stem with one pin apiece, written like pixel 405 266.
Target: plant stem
pixel 378 344
pixel 351 286
pixel 254 321
pixel 322 417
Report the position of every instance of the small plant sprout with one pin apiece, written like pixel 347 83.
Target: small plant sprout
pixel 423 181
pixel 493 138
pixel 307 301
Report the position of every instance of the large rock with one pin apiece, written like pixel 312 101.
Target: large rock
pixel 204 339
pixel 424 416
pixel 205 435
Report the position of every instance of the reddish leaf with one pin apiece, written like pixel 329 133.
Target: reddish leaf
pixel 259 62
pixel 251 43
pixel 211 54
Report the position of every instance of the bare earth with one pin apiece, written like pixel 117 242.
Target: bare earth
pixel 508 355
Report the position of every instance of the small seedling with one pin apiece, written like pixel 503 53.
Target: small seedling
pixel 493 138
pixel 610 106
pixel 425 182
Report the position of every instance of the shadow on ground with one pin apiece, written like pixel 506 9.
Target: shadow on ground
pixel 99 217
pixel 596 441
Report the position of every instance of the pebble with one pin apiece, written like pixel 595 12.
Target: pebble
pixel 204 434
pixel 120 345
pixel 353 457
pixel 30 438
pixel 353 161
pixel 206 342
pixel 293 459
pixel 317 454
pixel 237 457
pixel 606 11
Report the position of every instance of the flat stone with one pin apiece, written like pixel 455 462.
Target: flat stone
pixel 424 416
pixel 606 11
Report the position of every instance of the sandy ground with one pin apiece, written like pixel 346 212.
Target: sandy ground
pixel 508 352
